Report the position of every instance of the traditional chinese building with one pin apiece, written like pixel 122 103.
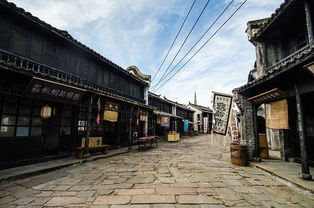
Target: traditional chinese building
pixel 54 91
pixel 168 115
pixel 202 117
pixel 281 85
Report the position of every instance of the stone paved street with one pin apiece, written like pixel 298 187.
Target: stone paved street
pixel 192 173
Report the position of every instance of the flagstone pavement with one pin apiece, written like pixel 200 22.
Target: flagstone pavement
pixel 192 173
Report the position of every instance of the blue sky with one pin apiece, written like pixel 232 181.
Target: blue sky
pixel 139 32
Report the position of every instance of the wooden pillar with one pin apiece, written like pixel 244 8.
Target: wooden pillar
pixel 308 21
pixel 305 174
pixel 88 126
pixel 130 128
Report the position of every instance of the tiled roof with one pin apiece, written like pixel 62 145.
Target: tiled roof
pixel 285 64
pixel 268 22
pixel 201 108
pixel 63 34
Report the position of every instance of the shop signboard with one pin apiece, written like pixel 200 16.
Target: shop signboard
pixel 41 88
pixel 165 121
pixel 222 104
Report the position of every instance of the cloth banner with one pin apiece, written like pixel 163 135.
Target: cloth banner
pixel 165 121
pixel 111 112
pixel 186 125
pixel 222 106
pixel 205 124
pixel 234 128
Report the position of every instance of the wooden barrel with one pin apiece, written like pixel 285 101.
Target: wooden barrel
pixel 263 146
pixel 238 154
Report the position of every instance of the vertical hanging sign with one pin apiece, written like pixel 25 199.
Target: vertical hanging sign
pixel 234 128
pixel 222 104
pixel 205 124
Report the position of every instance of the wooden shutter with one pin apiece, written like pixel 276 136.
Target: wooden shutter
pixel 36 47
pixel 20 42
pixel 5 33
pixel 62 56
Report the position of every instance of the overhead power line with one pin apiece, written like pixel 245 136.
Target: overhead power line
pixel 174 40
pixel 199 39
pixel 183 43
pixel 203 44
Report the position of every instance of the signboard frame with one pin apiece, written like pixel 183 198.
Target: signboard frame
pixel 216 94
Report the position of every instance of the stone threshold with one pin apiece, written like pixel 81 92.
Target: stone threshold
pixel 287 173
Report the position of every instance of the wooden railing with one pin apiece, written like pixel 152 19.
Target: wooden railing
pixel 38 68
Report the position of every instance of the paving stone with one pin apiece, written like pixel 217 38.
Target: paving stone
pixel 65 193
pixel 141 179
pixel 62 187
pixel 64 201
pixel 86 194
pixel 6 199
pixel 39 201
pixel 79 188
pixel 197 199
pixel 104 192
pixel 176 191
pixel 112 200
pixel 228 194
pixel 184 185
pixel 131 206
pixel 44 194
pixel 23 201
pixel 130 192
pixel 153 199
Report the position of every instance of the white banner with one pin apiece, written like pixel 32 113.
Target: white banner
pixel 222 106
pixel 205 124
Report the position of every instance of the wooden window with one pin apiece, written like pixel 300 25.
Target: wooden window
pixel 83 70
pixel 49 52
pixel 20 118
pixel 5 33
pixel 71 63
pixel 61 60
pixel 99 77
pixel 36 47
pixel 20 41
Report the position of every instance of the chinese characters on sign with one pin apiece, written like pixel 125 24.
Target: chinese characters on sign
pixel 222 106
pixel 234 128
pixel 165 121
pixel 48 89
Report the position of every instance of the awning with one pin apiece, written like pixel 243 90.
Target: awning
pixel 269 96
pixel 157 112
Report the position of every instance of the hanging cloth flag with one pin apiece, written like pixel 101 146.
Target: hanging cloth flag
pixel 98 114
pixel 111 112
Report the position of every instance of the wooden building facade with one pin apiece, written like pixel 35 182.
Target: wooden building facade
pixel 43 66
pixel 165 108
pixel 282 84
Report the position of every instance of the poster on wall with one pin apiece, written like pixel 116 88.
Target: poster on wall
pixel 205 124
pixel 186 125
pixel 222 104
pixel 165 121
pixel 234 128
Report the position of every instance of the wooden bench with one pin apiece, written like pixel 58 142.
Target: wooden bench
pixel 94 143
pixel 144 141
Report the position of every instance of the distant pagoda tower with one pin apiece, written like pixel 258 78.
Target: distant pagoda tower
pixel 195 101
